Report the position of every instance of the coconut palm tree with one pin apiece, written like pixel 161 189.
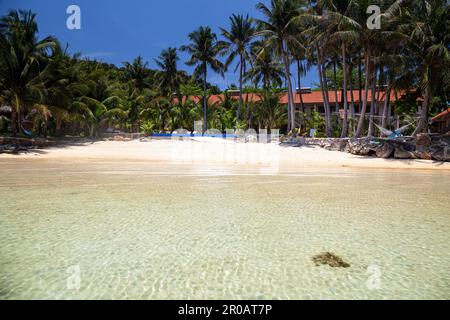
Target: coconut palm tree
pixel 300 57
pixel 138 73
pixel 22 54
pixel 368 39
pixel 169 78
pixel 341 29
pixel 320 46
pixel 270 113
pixel 428 28
pixel 238 41
pixel 280 32
pixel 204 50
pixel 266 68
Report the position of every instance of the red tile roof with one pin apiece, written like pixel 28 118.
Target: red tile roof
pixel 313 97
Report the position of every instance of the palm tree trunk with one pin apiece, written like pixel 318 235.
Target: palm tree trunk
pixel 240 89
pixel 387 101
pixel 302 107
pixel 423 121
pixel 344 70
pixel 205 124
pixel 324 94
pixel 360 83
pixel 91 130
pixel 15 115
pixel 360 128
pixel 287 72
pixel 335 88
pixel 352 98
pixel 373 103
pixel 14 121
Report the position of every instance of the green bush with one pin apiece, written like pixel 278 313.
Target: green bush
pixel 148 127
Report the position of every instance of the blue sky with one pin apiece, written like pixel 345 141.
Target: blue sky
pixel 116 31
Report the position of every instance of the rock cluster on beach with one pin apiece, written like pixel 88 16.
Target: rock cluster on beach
pixel 423 146
pixel 17 145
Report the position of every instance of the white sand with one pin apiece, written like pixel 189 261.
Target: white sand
pixel 221 152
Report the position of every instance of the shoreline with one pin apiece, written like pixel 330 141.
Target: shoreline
pixel 219 153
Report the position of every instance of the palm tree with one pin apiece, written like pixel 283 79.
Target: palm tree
pixel 157 111
pixel 270 114
pixel 368 39
pixel 138 76
pixel 341 30
pixel 280 33
pixel 238 43
pixel 138 73
pixel 300 56
pixel 204 49
pixel 99 113
pixel 266 68
pixel 428 29
pixel 169 78
pixel 22 54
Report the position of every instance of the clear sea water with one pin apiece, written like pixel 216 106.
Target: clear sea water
pixel 134 230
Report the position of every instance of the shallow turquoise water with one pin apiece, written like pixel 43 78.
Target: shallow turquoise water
pixel 104 230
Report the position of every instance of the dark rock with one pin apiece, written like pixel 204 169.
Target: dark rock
pixel 330 259
pixel 440 152
pixel 342 144
pixel 401 153
pixel 362 147
pixel 26 142
pixel 423 155
pixel 385 150
pixel 426 147
pixel 423 142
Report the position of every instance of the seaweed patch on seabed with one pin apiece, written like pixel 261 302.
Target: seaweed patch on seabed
pixel 330 259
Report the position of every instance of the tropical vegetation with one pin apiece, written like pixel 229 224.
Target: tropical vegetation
pixel 54 93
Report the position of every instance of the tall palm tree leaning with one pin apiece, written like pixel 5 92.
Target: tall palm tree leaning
pixel 204 50
pixel 238 43
pixel 21 52
pixel 279 30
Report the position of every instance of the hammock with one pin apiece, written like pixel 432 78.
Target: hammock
pixel 27 133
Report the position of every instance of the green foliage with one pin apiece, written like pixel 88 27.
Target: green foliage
pixel 407 104
pixel 269 112
pixel 241 125
pixel 315 121
pixel 63 94
pixel 148 127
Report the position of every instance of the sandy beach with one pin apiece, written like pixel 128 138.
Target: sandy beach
pixel 220 153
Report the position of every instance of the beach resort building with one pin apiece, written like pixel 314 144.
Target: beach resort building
pixel 308 100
